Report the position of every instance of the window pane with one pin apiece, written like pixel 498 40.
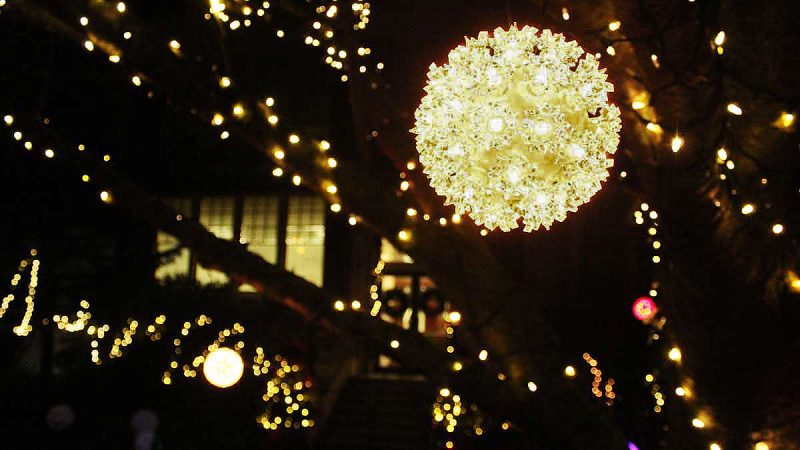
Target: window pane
pixel 179 264
pixel 305 238
pixel 260 227
pixel 216 214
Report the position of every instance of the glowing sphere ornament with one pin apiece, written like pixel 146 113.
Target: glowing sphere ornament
pixel 223 367
pixel 517 125
pixel 644 309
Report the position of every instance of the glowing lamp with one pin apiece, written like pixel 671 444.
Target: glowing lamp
pixel 223 367
pixel 644 309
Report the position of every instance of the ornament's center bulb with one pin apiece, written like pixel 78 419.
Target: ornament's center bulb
pixel 496 124
pixel 541 128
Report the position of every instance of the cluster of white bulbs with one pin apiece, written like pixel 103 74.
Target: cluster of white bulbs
pixel 517 125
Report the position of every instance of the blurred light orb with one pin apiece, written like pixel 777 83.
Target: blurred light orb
pixel 644 309
pixel 517 125
pixel 223 367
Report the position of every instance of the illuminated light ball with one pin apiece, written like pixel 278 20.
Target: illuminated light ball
pixel 644 309
pixel 517 126
pixel 223 367
pixel 761 446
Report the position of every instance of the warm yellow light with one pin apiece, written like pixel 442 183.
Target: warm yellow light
pixel 121 7
pixel 223 367
pixel 638 104
pixel 272 119
pixel 550 166
pixel 105 196
pixel 294 139
pixel 238 110
pixel 279 153
pixel 649 378
pixel 680 391
pixel 786 120
pixel 565 13
pixel 714 446
pixel 277 172
pixel 456 218
pixel 136 80
pixel 332 189
pixel 336 207
pixel 734 109
pixel 49 153
pixel 352 220
pixel 483 355
pixel 355 304
pixel 296 180
pixel 411 165
pixel 569 371
pixel 722 154
pixel 454 317
pixel 395 344
pixel 85 178
pixel 84 21
pixel 614 26
pixel 677 143
pixel 675 354
pixel 404 185
pixel 719 39
pixel 444 392
pixel 761 446
pixel 338 305
pixel 114 58
pixel 532 386
pixel 174 45
pixel 324 146
pixel 748 208
pixel 654 128
pixel 404 235
pixel 457 366
pixel 8 119
pixel 698 423
pixel 332 163
pixel 777 228
pixel 218 119
pixel 89 45
pixel 411 212
pixel 224 82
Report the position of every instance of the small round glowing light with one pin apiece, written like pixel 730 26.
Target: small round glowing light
pixel 734 109
pixel 395 344
pixel 676 144
pixel 748 209
pixel 121 7
pixel 411 212
pixel 324 146
pixel 279 153
pixel 530 97
pixel 352 220
pixel 722 154
pixel 338 305
pixel 49 153
pixel 483 355
pixel 615 25
pixel 296 180
pixel 719 39
pixel 786 120
pixel 224 82
pixel 569 371
pixel 332 163
pixel 644 308
pixel 218 119
pixel 277 172
pixel 8 119
pixel 105 196
pixel 404 235
pixel 84 21
pixel 355 304
pixel 294 139
pixel 238 110
pixel 223 367
pixel 174 45
pixel 331 189
pixel 714 446
pixel 675 354
pixel 698 423
pixel 680 391
pixel 777 228
pixel 444 392
pixel 336 207
pixel 88 45
pixel 532 386
pixel 761 446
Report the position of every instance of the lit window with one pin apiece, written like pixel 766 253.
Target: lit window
pixel 216 214
pixel 260 227
pixel 305 238
pixel 176 261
